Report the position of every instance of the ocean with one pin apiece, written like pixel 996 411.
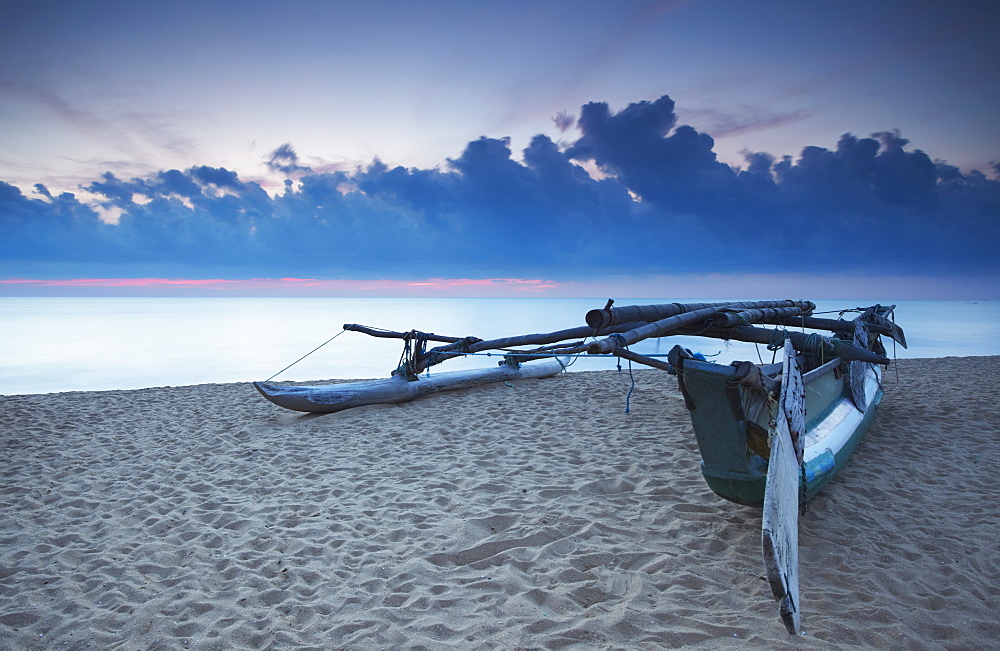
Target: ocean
pixel 93 344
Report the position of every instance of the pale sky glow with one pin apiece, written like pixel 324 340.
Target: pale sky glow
pixel 137 87
pixel 212 135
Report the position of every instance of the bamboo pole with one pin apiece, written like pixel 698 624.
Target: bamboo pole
pixel 729 318
pixel 673 323
pixel 612 316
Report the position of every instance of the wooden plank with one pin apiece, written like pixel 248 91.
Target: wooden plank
pixel 859 370
pixel 780 526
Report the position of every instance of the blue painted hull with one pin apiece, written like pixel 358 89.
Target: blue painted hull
pixel 834 428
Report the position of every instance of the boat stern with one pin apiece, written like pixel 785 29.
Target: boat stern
pixel 731 469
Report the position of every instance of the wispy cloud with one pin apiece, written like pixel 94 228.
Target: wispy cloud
pixel 53 101
pixel 133 135
pixel 748 119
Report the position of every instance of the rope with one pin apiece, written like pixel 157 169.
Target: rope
pixel 841 312
pixel 628 398
pixel 571 355
pixel 814 342
pixel 777 342
pixel 414 347
pixel 777 339
pixel 803 489
pixel 306 355
pixel 895 365
pixel 572 360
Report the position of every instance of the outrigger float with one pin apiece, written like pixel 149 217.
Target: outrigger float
pixel 770 435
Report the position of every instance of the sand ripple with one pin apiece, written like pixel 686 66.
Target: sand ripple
pixel 533 516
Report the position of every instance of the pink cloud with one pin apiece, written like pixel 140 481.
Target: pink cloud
pixel 287 286
pixel 685 286
pixel 523 284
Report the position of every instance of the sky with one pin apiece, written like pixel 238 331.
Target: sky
pixel 503 148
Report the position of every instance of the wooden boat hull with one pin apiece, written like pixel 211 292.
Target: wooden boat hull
pixel 834 427
pixel 327 398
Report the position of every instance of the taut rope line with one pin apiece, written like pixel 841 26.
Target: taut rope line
pixel 306 355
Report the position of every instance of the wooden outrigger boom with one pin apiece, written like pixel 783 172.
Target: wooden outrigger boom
pixel 459 346
pixel 770 435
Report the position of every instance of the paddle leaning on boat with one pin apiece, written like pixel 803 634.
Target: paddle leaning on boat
pixel 770 435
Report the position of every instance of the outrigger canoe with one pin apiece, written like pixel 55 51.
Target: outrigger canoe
pixel 773 435
pixel 770 435
pixel 732 408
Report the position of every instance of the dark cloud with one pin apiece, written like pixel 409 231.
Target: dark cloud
pixel 671 166
pixel 284 160
pixel 220 177
pixel 759 163
pixel 36 233
pixel 563 121
pixel 663 204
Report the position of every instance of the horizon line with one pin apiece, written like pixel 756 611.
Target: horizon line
pixel 677 286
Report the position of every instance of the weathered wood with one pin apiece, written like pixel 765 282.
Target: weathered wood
pixel 879 325
pixel 533 339
pixel 728 318
pixel 780 530
pixel 329 398
pixel 625 353
pixel 749 374
pixel 879 320
pixel 814 344
pixel 671 324
pixel 792 399
pixel 458 346
pixel 442 353
pixel 389 334
pixel 612 316
pixel 859 370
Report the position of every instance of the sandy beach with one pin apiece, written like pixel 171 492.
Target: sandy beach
pixel 532 516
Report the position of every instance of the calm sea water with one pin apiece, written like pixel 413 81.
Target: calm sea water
pixel 89 344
